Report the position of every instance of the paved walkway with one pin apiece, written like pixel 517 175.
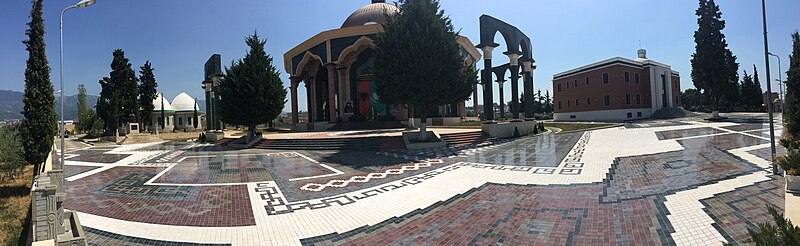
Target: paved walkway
pixel 668 182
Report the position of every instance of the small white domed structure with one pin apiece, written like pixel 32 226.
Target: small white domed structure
pixel 169 113
pixel 371 14
pixel 185 106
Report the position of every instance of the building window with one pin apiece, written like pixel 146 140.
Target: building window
pixel 180 121
pixel 630 115
pixel 568 103
pixel 607 100
pixel 567 83
pixel 676 84
pixel 559 87
pixel 572 116
pixel 605 78
pixel 588 101
pixel 168 121
pixel 638 114
pixel 627 77
pixel 628 99
pixel 575 83
pixel 587 80
pixel 559 104
pixel 576 102
pixel 636 77
pixel 189 120
pixel 638 98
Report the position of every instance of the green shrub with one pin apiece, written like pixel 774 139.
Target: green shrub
pixel 783 232
pixel 790 162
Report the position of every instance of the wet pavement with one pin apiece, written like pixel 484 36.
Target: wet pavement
pixel 659 182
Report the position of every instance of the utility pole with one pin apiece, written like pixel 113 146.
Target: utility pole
pixel 769 88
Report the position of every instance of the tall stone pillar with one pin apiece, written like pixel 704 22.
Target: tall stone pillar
pixel 295 81
pixel 527 69
pixel 331 92
pixel 475 100
pixel 311 104
pixel 486 79
pixel 343 92
pixel 514 66
pixel 500 82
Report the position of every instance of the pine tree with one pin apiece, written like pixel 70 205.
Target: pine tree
pixel 147 92
pixel 83 108
pixel 119 94
pixel 714 67
pixel 756 95
pixel 750 95
pixel 40 124
pixel 791 116
pixel 418 61
pixel 251 90
pixel 195 119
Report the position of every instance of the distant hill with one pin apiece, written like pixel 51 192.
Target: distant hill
pixel 11 105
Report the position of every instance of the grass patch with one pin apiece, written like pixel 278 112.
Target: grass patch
pixel 15 200
pixel 574 126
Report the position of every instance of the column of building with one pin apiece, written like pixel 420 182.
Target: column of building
pixel 514 66
pixel 486 80
pixel 527 70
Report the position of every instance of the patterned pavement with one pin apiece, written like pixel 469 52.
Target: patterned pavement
pixel 648 183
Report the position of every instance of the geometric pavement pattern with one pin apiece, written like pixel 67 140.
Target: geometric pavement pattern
pixel 628 206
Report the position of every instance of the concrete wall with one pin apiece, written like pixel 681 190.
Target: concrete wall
pixel 604 115
pixel 506 129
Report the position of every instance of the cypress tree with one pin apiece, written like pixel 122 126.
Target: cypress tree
pixel 418 61
pixel 791 117
pixel 147 92
pixel 40 123
pixel 714 67
pixel 195 119
pixel 119 93
pixel 251 91
pixel 756 95
pixel 83 108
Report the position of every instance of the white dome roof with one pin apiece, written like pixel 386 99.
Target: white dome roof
pixel 184 102
pixel 371 14
pixel 157 103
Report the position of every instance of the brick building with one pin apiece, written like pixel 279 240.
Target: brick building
pixel 615 89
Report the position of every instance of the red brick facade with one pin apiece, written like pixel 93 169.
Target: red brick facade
pixel 622 93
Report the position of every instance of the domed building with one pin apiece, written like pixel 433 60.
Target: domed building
pixel 185 107
pixel 169 114
pixel 333 67
pixel 179 115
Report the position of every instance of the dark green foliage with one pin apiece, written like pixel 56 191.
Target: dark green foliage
pixel 783 232
pixel 693 100
pixel 147 92
pixel 195 119
pixel 11 151
pixel 119 103
pixel 83 108
pixel 792 114
pixel 251 90
pixel 750 93
pixel 40 124
pixel 418 61
pixel 714 67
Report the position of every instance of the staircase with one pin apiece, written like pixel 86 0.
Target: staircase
pixel 369 143
pixel 366 125
pixel 670 113
pixel 466 138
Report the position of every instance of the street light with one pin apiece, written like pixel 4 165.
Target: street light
pixel 81 4
pixel 769 89
pixel 780 82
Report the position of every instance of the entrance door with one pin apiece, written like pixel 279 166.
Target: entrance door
pixel 364 98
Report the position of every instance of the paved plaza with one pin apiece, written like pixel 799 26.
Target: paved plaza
pixel 688 182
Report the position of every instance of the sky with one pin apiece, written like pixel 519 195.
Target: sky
pixel 178 36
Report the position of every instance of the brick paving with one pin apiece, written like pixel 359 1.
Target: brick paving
pixel 510 192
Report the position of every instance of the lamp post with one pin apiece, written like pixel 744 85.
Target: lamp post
pixel 780 81
pixel 81 4
pixel 769 88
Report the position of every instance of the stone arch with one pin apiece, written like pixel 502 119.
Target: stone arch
pixel 308 65
pixel 350 54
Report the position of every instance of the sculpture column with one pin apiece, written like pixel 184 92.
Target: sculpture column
pixel 475 100
pixel 295 81
pixel 527 69
pixel 514 66
pixel 343 93
pixel 311 101
pixel 486 79
pixel 500 82
pixel 331 93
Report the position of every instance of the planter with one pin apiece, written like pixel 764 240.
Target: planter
pixel 792 183
pixel 434 141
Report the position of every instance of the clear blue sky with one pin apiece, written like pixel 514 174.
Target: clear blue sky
pixel 177 36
